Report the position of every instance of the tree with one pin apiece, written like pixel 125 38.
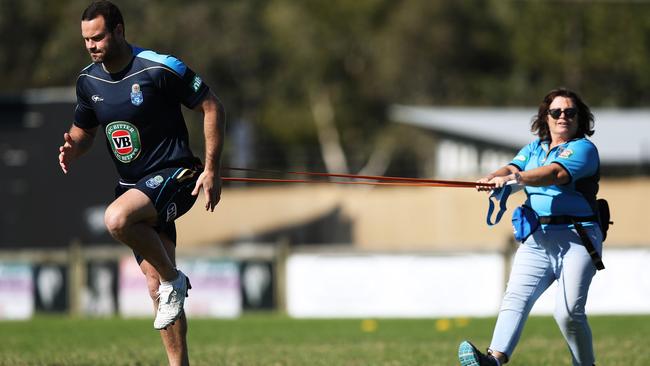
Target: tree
pixel 315 78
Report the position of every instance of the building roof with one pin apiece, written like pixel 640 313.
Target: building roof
pixel 622 135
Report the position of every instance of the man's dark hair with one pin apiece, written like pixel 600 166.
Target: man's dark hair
pixel 585 118
pixel 110 12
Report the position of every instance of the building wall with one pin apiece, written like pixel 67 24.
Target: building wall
pixel 395 218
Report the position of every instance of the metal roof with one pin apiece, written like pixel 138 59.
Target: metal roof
pixel 622 135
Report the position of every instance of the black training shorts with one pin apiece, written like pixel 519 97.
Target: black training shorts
pixel 170 191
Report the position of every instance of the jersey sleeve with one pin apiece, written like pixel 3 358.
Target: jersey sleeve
pixel 523 156
pixel 183 84
pixel 84 115
pixel 580 159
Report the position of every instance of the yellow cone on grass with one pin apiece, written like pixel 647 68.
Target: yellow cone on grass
pixel 369 325
pixel 443 325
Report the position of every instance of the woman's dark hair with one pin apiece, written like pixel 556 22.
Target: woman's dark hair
pixel 110 12
pixel 539 125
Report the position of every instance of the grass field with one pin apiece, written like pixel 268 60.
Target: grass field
pixel 264 339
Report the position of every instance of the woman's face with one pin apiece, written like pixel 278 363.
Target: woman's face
pixel 562 119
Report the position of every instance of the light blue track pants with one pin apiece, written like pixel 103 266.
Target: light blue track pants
pixel 552 253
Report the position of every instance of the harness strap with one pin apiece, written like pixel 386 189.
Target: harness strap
pixel 565 219
pixel 501 195
pixel 595 257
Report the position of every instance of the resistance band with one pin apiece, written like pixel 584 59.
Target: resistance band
pixel 380 180
pixel 498 194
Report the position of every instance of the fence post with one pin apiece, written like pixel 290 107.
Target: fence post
pixel 77 275
pixel 282 253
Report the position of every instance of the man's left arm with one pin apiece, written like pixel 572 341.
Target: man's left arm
pixel 214 127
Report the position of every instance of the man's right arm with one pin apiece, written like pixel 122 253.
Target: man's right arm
pixel 75 143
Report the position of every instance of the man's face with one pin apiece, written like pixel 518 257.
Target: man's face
pixel 100 43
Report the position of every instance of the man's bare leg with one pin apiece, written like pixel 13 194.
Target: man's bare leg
pixel 174 338
pixel 130 219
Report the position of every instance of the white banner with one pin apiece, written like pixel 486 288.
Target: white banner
pixel 394 285
pixel 328 285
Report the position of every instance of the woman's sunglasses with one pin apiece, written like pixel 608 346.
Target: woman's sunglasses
pixel 557 112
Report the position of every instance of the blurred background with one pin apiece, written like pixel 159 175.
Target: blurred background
pixel 418 88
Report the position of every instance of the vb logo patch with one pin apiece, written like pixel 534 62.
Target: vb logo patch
pixel 124 140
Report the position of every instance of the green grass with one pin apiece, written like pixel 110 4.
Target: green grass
pixel 265 339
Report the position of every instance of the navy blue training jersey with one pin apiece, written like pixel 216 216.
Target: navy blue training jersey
pixel 139 110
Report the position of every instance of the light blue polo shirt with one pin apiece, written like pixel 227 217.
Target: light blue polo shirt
pixel 579 157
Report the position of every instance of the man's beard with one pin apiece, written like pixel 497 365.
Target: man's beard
pixel 107 56
pixel 97 58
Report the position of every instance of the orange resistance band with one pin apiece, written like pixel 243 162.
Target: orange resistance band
pixel 379 180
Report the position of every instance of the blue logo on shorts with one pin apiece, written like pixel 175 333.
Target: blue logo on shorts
pixel 154 182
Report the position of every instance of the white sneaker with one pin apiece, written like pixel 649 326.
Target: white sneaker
pixel 171 296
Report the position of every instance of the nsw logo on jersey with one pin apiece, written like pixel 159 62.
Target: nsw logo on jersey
pixel 124 140
pixel 136 95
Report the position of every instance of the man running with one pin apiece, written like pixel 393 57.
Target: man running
pixel 135 96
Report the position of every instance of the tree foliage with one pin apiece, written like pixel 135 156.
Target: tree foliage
pixel 297 69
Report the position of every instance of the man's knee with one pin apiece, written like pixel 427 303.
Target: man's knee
pixel 130 208
pixel 115 221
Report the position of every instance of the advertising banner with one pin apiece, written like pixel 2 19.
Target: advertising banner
pixel 17 288
pixel 51 288
pixel 257 285
pixel 215 288
pixel 100 293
